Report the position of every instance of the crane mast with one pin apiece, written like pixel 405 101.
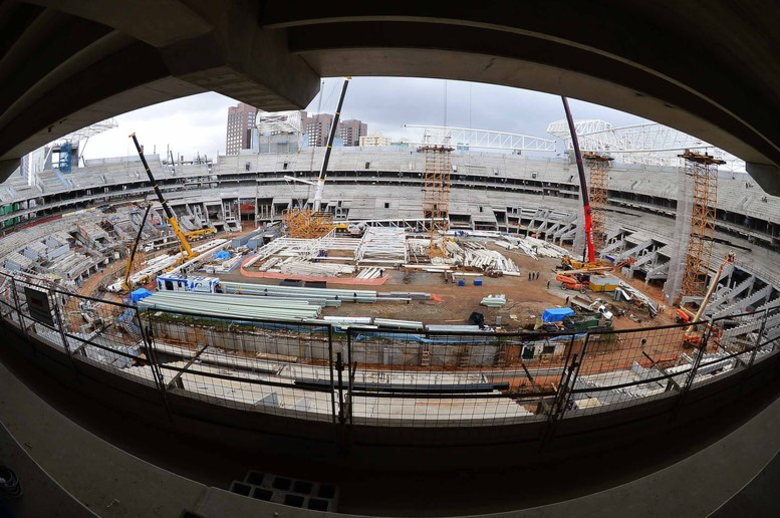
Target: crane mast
pixel 328 147
pixel 171 217
pixel 583 184
pixel 129 267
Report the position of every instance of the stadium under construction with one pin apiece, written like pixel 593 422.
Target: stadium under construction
pixel 473 320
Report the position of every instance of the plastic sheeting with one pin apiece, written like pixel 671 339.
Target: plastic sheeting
pixel 556 314
pixel 139 294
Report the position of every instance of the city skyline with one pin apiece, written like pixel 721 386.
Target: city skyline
pixel 197 124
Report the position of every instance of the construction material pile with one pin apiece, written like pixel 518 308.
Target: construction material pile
pixel 222 262
pixel 326 294
pixel 307 257
pixel 383 245
pixel 494 301
pixel 489 261
pixel 157 265
pixel 231 306
pixel 316 269
pixel 370 273
pixel 532 247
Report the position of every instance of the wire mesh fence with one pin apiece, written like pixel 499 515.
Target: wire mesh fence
pixel 272 367
pixel 366 376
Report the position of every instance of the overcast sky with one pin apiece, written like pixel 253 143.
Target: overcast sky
pixel 196 124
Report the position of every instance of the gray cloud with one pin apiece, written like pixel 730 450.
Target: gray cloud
pixel 196 124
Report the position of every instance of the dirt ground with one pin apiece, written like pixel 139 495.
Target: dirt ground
pixel 526 299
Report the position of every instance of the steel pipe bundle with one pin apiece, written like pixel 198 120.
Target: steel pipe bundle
pixel 400 324
pixel 216 305
pixel 296 292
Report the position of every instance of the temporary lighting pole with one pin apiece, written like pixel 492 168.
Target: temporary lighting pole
pixel 583 184
pixel 328 147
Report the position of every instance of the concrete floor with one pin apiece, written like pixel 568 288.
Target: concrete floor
pixel 662 479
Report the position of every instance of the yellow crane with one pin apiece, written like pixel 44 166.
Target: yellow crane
pixel 194 235
pixel 129 267
pixel 186 249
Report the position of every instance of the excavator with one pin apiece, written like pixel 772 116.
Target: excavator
pixel 691 335
pixel 186 250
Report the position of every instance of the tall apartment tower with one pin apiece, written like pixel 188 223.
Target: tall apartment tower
pixel 351 130
pixel 241 120
pixel 317 126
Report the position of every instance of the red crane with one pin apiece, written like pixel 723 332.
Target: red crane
pixel 583 184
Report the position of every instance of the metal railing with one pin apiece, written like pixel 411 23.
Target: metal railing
pixel 315 371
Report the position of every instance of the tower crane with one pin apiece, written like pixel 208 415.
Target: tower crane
pixel 187 253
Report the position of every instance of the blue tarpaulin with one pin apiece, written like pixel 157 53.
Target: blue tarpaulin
pixel 222 254
pixel 139 294
pixel 556 314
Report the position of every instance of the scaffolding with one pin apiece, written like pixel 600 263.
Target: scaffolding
pixel 436 193
pixel 598 167
pixel 306 223
pixel 702 169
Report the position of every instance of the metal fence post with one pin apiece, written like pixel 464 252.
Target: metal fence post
pixel 575 374
pixel 351 368
pixel 330 371
pixel 340 370
pixel 19 314
pixel 568 366
pixel 58 314
pixel 758 339
pixel 694 369
pixel 147 336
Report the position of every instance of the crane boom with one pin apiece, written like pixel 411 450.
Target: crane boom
pixel 168 211
pixel 583 183
pixel 329 146
pixel 731 258
pixel 129 268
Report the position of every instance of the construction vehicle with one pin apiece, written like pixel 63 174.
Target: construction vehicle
pixel 569 282
pixel 590 322
pixel 194 235
pixel 590 251
pixel 314 223
pixel 569 263
pixel 682 316
pixel 572 267
pixel 129 267
pixel 691 335
pixel 186 250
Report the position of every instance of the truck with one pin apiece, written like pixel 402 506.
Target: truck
pixel 587 322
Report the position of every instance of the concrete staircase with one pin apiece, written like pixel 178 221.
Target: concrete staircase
pixel 740 305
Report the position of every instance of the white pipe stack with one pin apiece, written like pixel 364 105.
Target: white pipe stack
pixel 233 307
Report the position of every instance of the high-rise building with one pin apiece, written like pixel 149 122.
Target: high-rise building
pixel 351 130
pixel 317 126
pixel 241 120
pixel 375 140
